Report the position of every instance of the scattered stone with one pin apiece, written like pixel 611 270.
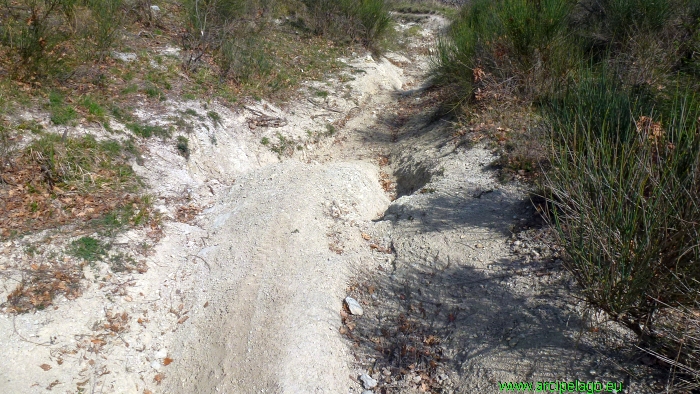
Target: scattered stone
pixel 354 306
pixel 367 381
pixel 479 246
pixel 124 56
pixel 155 9
pixel 162 353
pixel 367 392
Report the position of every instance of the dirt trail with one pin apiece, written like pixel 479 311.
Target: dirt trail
pixel 247 296
pixel 286 239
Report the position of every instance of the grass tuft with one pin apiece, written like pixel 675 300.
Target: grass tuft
pixel 88 249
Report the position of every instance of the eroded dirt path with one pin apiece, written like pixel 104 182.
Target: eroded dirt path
pixel 244 289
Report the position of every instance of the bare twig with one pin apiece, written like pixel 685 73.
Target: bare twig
pixel 14 327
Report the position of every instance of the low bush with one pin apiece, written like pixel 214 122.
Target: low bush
pixel 31 30
pixel 625 185
pixel 183 146
pixel 366 21
pixel 108 16
pixel 148 131
pixel 624 181
pixel 623 173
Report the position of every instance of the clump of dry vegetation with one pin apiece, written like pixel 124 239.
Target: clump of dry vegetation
pixel 41 283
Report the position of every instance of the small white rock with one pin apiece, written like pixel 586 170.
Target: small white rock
pixel 162 353
pixel 125 57
pixel 367 381
pixel 354 306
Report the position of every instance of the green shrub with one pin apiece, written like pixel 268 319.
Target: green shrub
pixel 152 91
pixel 506 37
pixel 366 21
pixel 211 23
pixel 625 187
pixel 621 18
pixel 374 19
pixel 243 59
pixel 93 107
pixel 61 114
pixel 183 146
pixel 88 249
pixel 623 171
pixel 32 30
pixel 108 19
pixel 83 163
pixel 147 131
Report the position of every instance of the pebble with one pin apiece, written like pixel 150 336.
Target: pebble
pixel 517 243
pixel 367 381
pixel 162 353
pixel 367 392
pixel 354 306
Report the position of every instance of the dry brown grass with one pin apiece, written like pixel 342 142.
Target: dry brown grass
pixel 42 282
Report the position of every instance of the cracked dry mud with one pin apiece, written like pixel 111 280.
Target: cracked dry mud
pixel 247 296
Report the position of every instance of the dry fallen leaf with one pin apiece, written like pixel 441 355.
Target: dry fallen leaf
pixel 366 236
pixel 45 367
pixel 167 361
pixel 159 378
pixel 183 319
